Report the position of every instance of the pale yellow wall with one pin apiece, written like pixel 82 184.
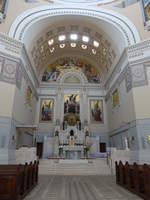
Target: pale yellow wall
pixel 134 13
pixel 142 99
pixel 15 8
pixel 7 92
pixel 120 115
pixel 22 112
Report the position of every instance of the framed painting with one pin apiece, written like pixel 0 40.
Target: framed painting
pixel 72 108
pixel 115 98
pixel 46 110
pixel 28 96
pixel 145 6
pixel 3 7
pixel 96 111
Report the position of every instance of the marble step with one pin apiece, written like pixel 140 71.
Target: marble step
pixel 96 167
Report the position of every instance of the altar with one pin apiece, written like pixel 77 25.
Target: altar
pixel 73 152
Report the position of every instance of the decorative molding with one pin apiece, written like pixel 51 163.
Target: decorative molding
pixel 10 46
pixel 10 71
pixel 117 69
pixel 132 64
pixel 21 24
pixel 134 76
pixel 15 51
pixel 139 53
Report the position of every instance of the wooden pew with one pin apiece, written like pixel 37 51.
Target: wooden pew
pixel 135 178
pixel 16 181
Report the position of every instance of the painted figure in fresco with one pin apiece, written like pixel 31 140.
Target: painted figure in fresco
pixel 54 70
pixel 46 111
pixel 51 74
pixel 97 113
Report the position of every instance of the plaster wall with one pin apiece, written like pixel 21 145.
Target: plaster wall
pixel 22 112
pixel 133 12
pixel 123 113
pixel 7 92
pixel 141 97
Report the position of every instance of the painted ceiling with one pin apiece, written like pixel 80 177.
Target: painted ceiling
pixel 60 66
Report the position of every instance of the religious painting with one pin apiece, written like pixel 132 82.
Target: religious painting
pixel 115 97
pixel 47 110
pixel 29 96
pixel 3 7
pixel 53 71
pixel 72 108
pixel 146 12
pixel 96 111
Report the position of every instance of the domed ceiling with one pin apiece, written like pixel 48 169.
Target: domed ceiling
pixel 73 38
pixel 87 2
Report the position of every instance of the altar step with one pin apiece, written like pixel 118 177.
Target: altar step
pixel 93 167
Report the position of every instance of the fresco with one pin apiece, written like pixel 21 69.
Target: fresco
pixel 29 96
pixel 3 9
pixel 146 11
pixel 115 96
pixel 52 73
pixel 47 110
pixel 3 5
pixel 96 111
pixel 72 108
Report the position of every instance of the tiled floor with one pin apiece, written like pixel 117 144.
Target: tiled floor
pixel 53 187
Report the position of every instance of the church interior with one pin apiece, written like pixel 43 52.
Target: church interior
pixel 74 103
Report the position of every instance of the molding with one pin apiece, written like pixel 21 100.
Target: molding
pixel 138 53
pixel 10 71
pixel 119 66
pixel 123 128
pixel 125 27
pixel 15 51
pixel 10 45
pixel 129 125
pixel 29 67
pixel 131 68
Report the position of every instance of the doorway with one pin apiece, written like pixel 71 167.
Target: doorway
pixel 102 147
pixel 39 150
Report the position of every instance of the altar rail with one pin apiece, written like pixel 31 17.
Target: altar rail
pixel 16 181
pixel 135 178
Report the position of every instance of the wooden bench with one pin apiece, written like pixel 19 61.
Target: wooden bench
pixel 16 181
pixel 135 178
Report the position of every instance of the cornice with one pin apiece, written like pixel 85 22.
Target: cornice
pixel 15 50
pixel 10 45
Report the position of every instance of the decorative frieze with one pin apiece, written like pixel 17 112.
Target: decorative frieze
pixel 10 71
pixel 133 66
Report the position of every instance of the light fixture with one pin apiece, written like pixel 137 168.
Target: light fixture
pixel 52 49
pixel 96 44
pixel 85 38
pixel 94 51
pixel 73 45
pixel 62 46
pixel 61 37
pixel 84 46
pixel 73 36
pixel 51 41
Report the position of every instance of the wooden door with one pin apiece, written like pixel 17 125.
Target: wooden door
pixel 39 150
pixel 102 147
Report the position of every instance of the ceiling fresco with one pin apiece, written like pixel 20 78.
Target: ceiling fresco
pixel 62 65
